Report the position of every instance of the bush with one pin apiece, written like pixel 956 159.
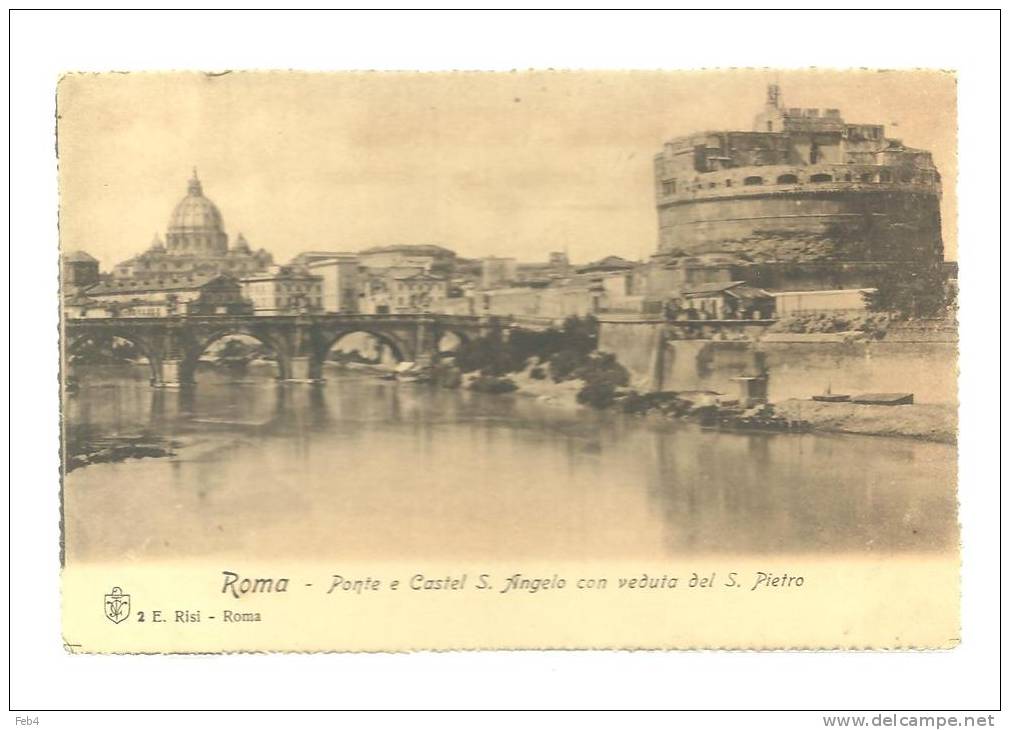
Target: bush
pixel 490 355
pixel 541 345
pixel 491 384
pixel 667 403
pixel 913 289
pixel 497 355
pixel 603 376
pixel 538 373
pixel 602 368
pixel 873 324
pixel 564 364
pixel 597 395
pixel 581 334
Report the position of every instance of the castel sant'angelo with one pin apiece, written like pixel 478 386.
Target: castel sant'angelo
pixel 805 200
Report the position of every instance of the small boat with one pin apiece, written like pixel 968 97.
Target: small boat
pixel 828 397
pixel 831 398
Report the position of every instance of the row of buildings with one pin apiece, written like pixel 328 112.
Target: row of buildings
pixel 800 213
pixel 197 270
pixel 335 282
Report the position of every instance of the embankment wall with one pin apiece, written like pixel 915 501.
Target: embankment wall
pixel 796 369
pixel 639 347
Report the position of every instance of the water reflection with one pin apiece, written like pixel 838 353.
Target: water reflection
pixel 369 469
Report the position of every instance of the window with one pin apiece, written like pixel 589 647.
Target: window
pixel 820 178
pixel 787 180
pixel 729 183
pixel 753 180
pixel 866 177
pixel 669 187
pixel 885 176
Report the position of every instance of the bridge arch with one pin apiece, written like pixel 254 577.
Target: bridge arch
pixel 74 344
pixel 193 353
pixel 400 348
pixel 462 336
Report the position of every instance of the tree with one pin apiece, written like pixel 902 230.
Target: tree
pixel 581 333
pixel 566 349
pixel 911 289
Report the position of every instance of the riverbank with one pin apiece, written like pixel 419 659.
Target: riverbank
pixel 545 390
pixel 82 451
pixel 926 421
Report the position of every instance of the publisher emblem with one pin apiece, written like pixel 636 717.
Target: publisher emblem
pixel 117 605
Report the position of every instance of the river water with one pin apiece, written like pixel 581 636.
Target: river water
pixel 360 468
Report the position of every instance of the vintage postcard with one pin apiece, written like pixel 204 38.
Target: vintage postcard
pixel 531 360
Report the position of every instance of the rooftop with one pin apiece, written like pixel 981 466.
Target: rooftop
pixel 76 257
pixel 608 263
pixel 421 249
pixel 174 283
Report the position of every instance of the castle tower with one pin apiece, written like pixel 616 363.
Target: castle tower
pixel 803 190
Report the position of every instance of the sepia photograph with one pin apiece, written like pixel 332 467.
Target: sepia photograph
pixel 483 361
pixel 494 319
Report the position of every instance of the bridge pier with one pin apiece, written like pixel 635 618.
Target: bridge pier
pixel 425 345
pixel 171 373
pixel 301 370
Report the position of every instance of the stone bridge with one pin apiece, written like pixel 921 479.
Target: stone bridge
pixel 174 345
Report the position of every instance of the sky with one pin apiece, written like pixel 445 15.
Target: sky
pixel 506 164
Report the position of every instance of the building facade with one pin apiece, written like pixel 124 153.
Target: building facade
pixel 340 278
pixel 204 294
pixel 375 296
pixel 427 257
pixel 284 290
pixel 497 271
pixel 417 293
pixel 548 304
